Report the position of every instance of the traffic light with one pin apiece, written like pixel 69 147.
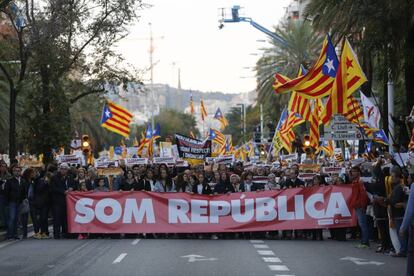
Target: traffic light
pixel 86 145
pixel 306 141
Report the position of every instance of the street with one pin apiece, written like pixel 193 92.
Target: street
pixel 193 257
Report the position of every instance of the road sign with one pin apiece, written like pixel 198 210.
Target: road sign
pixel 340 123
pixel 337 135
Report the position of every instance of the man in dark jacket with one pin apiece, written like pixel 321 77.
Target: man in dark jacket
pixel 61 184
pixel 4 176
pixel 16 191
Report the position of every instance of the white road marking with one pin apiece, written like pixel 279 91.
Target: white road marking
pixel 260 246
pixel 359 261
pixel 271 260
pixel 278 268
pixel 119 258
pixel 284 275
pixel 256 241
pixel 265 252
pixel 197 258
pixel 135 242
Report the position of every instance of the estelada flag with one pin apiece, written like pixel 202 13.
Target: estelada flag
pixel 318 81
pixel 116 118
pixel 220 117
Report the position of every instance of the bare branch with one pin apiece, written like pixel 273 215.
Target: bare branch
pixel 80 96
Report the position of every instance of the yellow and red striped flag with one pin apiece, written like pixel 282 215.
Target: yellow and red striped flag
pixel 192 110
pixel 116 118
pixel 327 148
pixel 349 78
pixel 299 104
pixel 314 124
pixel 318 81
pixel 203 111
pixel 411 144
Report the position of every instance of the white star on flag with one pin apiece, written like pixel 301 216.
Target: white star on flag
pixel 329 64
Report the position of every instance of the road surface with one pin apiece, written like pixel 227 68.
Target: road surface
pixel 193 257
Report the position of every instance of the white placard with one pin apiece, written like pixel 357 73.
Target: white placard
pixel 70 159
pixel 129 162
pixel 164 160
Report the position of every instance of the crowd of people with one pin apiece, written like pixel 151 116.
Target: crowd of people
pixel 384 209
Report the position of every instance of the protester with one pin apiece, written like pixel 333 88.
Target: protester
pixel 397 202
pixel 29 177
pixel 101 186
pixel 16 195
pixel 165 182
pixel 203 188
pixel 4 176
pixel 149 180
pixel 359 202
pixel 129 182
pixel 223 186
pixel 407 228
pixel 41 202
pixel 61 184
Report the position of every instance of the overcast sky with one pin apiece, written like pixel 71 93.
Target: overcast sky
pixel 186 34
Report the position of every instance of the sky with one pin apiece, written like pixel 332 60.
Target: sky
pixel 186 36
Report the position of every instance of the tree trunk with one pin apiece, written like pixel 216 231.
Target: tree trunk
pixel 367 67
pixel 46 147
pixel 12 124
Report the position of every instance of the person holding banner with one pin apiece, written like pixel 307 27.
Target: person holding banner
pixel 223 186
pixel 149 180
pixel 192 184
pixel 129 182
pixel 164 183
pixel 202 188
pixel 61 184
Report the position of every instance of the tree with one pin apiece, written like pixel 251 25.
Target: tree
pixel 14 56
pixel 303 46
pixel 235 124
pixel 67 44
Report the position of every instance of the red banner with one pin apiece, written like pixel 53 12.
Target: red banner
pixel 148 212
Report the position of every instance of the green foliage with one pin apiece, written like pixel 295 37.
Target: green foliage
pixel 235 123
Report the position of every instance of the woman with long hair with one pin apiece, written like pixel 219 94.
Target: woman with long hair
pixel 203 187
pixel 129 182
pixel 164 182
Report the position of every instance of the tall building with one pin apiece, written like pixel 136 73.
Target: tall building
pixel 296 9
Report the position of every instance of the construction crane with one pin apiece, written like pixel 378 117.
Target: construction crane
pixel 234 17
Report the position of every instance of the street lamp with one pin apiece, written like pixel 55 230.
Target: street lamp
pixel 243 120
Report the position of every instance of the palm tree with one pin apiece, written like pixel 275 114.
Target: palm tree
pixel 303 46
